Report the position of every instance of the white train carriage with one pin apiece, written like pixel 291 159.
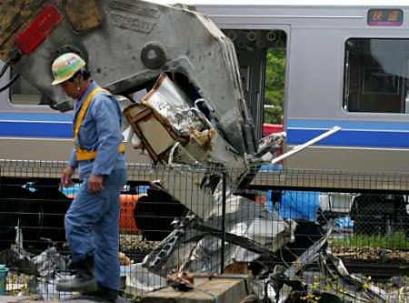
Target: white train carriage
pixel 346 65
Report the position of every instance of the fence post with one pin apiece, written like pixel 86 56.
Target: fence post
pixel 224 188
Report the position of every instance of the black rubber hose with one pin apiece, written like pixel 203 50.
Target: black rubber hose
pixel 15 56
pixel 15 77
pixel 4 68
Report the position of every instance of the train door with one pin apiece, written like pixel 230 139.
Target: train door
pixel 262 59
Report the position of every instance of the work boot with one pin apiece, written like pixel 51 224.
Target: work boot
pixel 83 280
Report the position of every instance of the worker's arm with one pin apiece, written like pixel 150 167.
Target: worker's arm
pixel 107 116
pixel 73 159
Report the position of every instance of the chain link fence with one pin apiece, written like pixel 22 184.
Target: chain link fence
pixel 191 220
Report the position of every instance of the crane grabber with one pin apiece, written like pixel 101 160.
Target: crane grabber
pixel 128 45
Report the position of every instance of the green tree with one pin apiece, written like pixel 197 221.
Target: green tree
pixel 275 85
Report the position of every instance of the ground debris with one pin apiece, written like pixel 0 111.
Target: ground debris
pixel 20 299
pixel 374 254
pixel 135 247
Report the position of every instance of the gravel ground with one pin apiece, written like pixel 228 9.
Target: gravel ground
pixel 135 247
pixel 376 255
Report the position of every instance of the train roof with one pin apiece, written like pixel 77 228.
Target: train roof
pixel 305 3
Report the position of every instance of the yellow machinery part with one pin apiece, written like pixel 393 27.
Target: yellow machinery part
pixel 83 15
pixel 15 15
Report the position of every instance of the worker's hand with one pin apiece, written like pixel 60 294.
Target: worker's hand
pixel 95 184
pixel 66 176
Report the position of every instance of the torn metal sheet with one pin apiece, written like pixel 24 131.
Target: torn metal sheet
pixel 143 280
pixel 199 242
pixel 283 285
pixel 268 231
pixel 17 257
pixel 49 261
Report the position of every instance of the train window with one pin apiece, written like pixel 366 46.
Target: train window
pixel 262 59
pixel 376 75
pixel 23 93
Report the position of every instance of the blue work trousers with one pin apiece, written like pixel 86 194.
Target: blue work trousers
pixel 92 228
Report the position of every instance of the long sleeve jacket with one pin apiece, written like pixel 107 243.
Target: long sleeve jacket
pixel 100 131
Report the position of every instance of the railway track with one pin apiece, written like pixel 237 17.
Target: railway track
pixel 377 271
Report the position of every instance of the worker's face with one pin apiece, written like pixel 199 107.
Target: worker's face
pixel 70 88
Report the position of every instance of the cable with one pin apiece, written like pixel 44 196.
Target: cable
pixel 4 68
pixel 15 77
pixel 15 56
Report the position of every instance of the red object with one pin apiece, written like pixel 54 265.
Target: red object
pixel 39 29
pixel 269 129
pixel 272 128
pixel 127 221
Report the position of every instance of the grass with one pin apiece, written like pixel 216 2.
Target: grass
pixel 395 241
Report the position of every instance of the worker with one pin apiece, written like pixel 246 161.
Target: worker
pixel 92 220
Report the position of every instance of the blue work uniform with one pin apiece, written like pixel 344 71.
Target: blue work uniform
pixel 92 221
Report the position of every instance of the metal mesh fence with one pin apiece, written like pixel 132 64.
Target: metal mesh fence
pixel 287 231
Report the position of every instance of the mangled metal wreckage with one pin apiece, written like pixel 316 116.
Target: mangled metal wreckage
pixel 195 113
pixel 181 136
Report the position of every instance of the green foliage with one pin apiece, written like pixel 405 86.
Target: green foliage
pixel 397 240
pixel 275 85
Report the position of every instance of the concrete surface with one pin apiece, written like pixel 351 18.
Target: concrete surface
pixel 222 289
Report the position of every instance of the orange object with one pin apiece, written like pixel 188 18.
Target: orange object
pixel 127 221
pixel 128 202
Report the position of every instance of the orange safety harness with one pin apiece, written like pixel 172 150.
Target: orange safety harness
pixel 83 154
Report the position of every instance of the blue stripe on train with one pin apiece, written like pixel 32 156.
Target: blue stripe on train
pixel 35 129
pixel 358 125
pixel 36 125
pixel 353 134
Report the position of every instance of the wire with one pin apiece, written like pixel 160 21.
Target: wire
pixel 15 56
pixel 15 77
pixel 4 68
